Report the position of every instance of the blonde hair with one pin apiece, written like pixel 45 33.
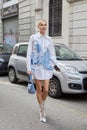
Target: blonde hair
pixel 42 20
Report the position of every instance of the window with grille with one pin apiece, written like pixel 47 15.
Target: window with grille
pixel 55 17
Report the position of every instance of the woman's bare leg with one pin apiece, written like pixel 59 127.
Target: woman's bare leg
pixel 39 90
pixel 45 90
pixel 44 96
pixel 41 96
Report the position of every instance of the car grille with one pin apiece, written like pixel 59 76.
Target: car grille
pixel 85 83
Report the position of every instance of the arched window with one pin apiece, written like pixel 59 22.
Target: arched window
pixel 55 17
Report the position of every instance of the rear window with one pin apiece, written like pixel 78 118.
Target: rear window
pixel 15 49
pixel 22 50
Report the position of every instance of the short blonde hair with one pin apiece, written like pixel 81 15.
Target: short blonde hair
pixel 42 20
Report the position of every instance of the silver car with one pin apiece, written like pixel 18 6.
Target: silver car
pixel 72 77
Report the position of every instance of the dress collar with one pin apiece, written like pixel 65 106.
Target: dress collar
pixel 39 35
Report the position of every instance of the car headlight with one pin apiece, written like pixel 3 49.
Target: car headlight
pixel 71 70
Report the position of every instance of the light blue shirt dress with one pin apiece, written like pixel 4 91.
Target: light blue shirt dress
pixel 41 56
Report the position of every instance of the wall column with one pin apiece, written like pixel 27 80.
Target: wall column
pixel 38 12
pixel 1 28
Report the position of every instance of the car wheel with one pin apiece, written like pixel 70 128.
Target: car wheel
pixel 12 75
pixel 55 88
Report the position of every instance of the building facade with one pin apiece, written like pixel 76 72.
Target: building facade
pixel 66 19
pixel 78 26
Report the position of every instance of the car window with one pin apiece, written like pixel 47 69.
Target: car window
pixel 64 53
pixel 15 49
pixel 22 50
pixel 1 48
pixel 5 48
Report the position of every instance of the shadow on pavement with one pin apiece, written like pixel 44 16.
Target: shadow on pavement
pixel 4 75
pixel 75 97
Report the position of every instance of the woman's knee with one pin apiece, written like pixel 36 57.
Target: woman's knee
pixel 46 89
pixel 39 90
pixel 46 86
pixel 38 86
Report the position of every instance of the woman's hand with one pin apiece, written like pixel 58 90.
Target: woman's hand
pixel 56 68
pixel 29 72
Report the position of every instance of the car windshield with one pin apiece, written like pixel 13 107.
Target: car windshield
pixel 5 48
pixel 64 53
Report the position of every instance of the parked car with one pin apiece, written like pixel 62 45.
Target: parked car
pixel 72 77
pixel 5 52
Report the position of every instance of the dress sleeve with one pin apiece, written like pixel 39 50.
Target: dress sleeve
pixel 52 53
pixel 29 52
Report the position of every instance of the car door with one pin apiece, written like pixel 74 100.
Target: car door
pixel 21 60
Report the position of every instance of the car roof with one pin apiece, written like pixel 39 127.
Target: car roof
pixel 21 43
pixel 26 43
pixel 61 44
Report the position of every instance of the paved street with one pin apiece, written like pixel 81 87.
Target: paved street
pixel 19 110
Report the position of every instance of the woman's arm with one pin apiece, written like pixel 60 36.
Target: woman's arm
pixel 53 56
pixel 29 52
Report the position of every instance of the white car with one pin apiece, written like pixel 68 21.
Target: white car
pixel 72 77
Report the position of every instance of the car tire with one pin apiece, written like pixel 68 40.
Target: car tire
pixel 12 75
pixel 55 88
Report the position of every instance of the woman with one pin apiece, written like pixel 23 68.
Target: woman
pixel 40 61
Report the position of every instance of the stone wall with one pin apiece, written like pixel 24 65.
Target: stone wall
pixel 24 20
pixel 1 36
pixel 78 27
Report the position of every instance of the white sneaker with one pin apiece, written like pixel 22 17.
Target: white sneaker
pixel 44 115
pixel 42 112
pixel 41 115
pixel 44 120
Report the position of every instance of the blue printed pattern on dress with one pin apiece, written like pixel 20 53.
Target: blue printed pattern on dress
pixel 41 58
pixel 46 60
pixel 35 54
